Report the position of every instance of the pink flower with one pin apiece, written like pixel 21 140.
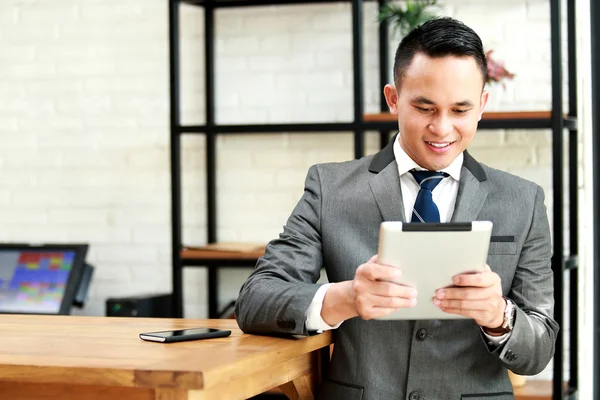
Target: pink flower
pixel 495 69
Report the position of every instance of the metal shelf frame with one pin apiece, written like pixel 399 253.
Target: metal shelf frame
pixel 595 39
pixel 345 127
pixel 563 127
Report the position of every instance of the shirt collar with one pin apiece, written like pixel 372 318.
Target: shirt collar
pixel 405 163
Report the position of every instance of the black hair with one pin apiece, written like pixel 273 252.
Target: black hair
pixel 439 37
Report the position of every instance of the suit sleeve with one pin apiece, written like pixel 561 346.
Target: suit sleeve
pixel 276 296
pixel 532 342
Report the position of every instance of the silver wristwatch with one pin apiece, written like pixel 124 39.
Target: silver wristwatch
pixel 509 315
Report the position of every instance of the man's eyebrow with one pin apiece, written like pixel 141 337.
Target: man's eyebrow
pixel 425 100
pixel 422 100
pixel 464 103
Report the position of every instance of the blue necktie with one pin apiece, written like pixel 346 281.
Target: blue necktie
pixel 425 209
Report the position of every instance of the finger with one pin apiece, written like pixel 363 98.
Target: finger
pixel 390 302
pixel 465 305
pixel 474 314
pixel 366 301
pixel 375 260
pixel 389 289
pixel 465 293
pixel 378 272
pixel 369 306
pixel 487 268
pixel 482 279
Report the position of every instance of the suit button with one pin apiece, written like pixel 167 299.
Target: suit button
pixel 414 396
pixel 421 334
pixel 510 356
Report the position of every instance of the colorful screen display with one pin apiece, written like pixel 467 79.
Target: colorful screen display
pixel 34 281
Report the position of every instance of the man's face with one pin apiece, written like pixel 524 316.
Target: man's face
pixel 438 104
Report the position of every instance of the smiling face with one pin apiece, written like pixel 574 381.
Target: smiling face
pixel 438 104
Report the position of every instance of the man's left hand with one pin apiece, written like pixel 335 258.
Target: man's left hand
pixel 477 296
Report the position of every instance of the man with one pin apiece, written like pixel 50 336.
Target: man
pixel 438 96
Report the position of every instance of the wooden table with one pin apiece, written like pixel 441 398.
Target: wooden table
pixel 71 357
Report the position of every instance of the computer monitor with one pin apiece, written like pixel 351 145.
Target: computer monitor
pixel 40 279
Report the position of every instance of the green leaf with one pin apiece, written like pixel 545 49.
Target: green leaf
pixel 405 18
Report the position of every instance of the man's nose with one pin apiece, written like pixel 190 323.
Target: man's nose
pixel 441 126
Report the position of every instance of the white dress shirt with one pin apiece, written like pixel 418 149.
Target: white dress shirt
pixel 444 196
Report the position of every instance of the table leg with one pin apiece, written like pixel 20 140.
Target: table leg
pixel 301 374
pixel 213 292
pixel 305 387
pixel 324 359
pixel 301 388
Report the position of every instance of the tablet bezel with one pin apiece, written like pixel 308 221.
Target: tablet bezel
pixel 474 237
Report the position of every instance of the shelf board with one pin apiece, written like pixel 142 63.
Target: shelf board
pixel 236 254
pixel 489 120
pixel 487 116
pixel 250 3
pixel 383 122
pixel 251 252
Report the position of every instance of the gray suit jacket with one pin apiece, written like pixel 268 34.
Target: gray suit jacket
pixel 336 225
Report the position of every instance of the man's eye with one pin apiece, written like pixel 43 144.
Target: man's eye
pixel 422 109
pixel 460 111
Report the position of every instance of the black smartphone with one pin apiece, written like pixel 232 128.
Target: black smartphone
pixel 184 334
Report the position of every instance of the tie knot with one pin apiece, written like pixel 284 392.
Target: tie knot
pixel 428 179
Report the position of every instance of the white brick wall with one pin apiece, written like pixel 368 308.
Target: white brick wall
pixel 84 122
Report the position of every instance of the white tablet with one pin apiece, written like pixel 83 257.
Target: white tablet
pixel 429 255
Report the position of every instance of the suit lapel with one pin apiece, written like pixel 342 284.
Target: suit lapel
pixel 471 191
pixel 388 196
pixel 385 185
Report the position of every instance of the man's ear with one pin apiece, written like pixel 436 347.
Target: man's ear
pixel 391 98
pixel 483 102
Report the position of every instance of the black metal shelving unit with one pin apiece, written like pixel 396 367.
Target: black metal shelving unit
pixel 563 127
pixel 595 47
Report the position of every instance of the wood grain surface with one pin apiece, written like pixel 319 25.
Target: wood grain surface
pixel 105 354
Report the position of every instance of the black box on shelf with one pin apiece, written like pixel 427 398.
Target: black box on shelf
pixel 148 305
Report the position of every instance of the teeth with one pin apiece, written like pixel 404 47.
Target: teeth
pixel 439 145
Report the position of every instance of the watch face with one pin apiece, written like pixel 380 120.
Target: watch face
pixel 509 315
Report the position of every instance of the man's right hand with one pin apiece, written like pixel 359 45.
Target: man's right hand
pixel 376 293
pixel 371 294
